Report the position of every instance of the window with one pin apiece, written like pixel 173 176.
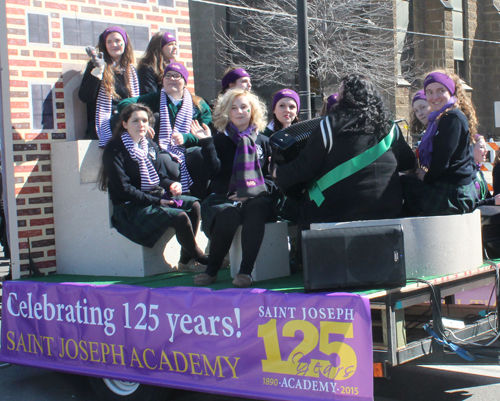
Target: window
pixel 43 109
pixel 138 1
pixel 166 3
pixel 38 28
pixel 78 32
pixel 458 29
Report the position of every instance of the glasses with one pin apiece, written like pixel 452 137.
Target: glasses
pixel 175 77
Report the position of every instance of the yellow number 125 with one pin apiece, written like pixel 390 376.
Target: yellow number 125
pixel 297 363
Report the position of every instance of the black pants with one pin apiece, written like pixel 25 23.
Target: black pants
pixel 252 216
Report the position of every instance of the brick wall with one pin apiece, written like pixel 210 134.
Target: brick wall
pixel 43 64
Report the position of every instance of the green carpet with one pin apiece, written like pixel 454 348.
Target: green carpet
pixel 292 283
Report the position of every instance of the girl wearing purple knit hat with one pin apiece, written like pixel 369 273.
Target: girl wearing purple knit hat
pixel 161 51
pixel 446 180
pixel 235 78
pixel 286 107
pixel 109 78
pixel 420 112
pixel 175 108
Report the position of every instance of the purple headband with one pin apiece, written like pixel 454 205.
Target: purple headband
pixel 177 67
pixel 478 137
pixel 442 79
pixel 286 93
pixel 112 29
pixel 167 38
pixel 232 76
pixel 332 100
pixel 420 95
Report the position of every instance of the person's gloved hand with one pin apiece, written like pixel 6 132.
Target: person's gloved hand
pixel 98 60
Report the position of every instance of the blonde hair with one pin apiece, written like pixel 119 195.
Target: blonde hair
pixel 463 103
pixel 225 103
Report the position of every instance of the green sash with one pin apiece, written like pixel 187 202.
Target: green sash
pixel 350 167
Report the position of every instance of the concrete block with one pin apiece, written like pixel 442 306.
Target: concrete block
pixel 273 259
pixel 433 246
pixel 85 241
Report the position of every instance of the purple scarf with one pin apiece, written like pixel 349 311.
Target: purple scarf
pixel 425 148
pixel 247 179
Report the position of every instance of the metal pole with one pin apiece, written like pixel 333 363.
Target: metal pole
pixel 303 41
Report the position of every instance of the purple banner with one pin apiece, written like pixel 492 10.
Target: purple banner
pixel 252 343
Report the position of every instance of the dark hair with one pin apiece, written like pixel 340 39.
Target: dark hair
pixel 359 93
pixel 103 179
pixel 127 59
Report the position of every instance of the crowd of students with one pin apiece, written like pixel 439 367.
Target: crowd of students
pixel 171 161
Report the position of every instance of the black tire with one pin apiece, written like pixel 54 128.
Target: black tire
pixel 117 390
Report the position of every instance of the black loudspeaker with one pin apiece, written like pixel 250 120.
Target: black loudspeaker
pixel 354 258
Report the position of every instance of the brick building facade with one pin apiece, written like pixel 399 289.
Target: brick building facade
pixel 468 26
pixel 44 42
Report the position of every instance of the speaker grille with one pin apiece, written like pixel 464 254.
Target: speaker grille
pixel 354 257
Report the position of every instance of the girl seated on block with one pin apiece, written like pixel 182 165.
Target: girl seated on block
pixel 446 180
pixel 175 109
pixel 146 202
pixel 109 78
pixel 236 160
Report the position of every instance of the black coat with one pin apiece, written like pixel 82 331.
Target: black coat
pixel 125 177
pixel 88 92
pixel 374 192
pixel 218 159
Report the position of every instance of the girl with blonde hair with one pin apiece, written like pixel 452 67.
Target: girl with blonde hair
pixel 236 160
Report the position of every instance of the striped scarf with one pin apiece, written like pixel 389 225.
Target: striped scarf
pixel 149 176
pixel 104 108
pixel 182 124
pixel 247 179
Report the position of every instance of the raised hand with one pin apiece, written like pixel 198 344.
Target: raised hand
pixel 198 131
pixel 97 59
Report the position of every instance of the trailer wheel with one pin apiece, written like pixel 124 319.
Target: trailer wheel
pixel 118 390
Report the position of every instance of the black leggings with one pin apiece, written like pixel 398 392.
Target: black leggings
pixel 253 216
pixel 186 226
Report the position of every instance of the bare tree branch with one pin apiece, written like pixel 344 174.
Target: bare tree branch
pixel 342 39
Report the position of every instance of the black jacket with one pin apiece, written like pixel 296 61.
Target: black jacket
pixel 125 177
pixel 374 192
pixel 218 159
pixel 88 92
pixel 452 158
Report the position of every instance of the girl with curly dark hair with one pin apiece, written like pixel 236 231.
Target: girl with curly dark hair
pixel 359 125
pixel 446 182
pixel 109 78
